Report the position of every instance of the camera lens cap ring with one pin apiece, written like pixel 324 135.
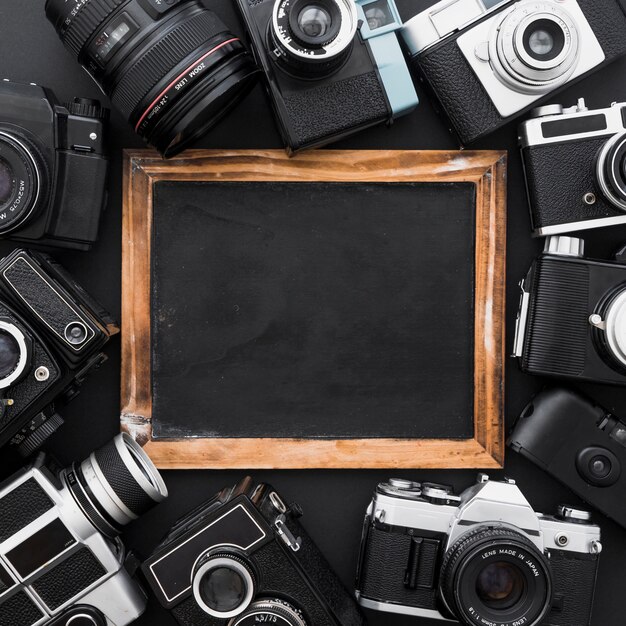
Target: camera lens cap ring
pixel 598 466
pixel 270 611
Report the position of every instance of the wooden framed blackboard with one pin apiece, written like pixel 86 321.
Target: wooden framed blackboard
pixel 337 309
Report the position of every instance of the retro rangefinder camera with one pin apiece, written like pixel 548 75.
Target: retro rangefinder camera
pixel 51 336
pixel 578 442
pixel 242 559
pixel 481 557
pixel 333 67
pixel 575 164
pixel 572 317
pixel 53 167
pixel 61 560
pixel 488 61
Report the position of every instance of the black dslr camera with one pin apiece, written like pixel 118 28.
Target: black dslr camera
pixel 333 67
pixel 242 559
pixel 578 442
pixel 575 165
pixel 61 560
pixel 488 61
pixel 51 336
pixel 53 167
pixel 572 316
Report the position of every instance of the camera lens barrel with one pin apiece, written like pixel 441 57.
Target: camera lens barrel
pixel 493 574
pixel 611 171
pixel 173 69
pixel 270 611
pixel 116 484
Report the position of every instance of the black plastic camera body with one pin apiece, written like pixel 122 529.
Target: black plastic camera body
pixel 485 62
pixel 241 559
pixel 575 165
pixel 578 442
pixel 571 317
pixel 53 167
pixel 327 85
pixel 51 336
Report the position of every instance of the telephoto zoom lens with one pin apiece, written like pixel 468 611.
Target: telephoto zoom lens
pixel 116 485
pixel 171 67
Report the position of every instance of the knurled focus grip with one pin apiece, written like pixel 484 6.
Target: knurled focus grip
pixel 122 481
pixel 161 58
pixel 85 23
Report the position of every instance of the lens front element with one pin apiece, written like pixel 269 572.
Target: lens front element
pixel 314 22
pixel 495 575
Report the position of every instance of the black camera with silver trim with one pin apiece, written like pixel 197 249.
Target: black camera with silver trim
pixel 488 61
pixel 332 67
pixel 53 167
pixel 572 316
pixel 51 336
pixel 481 557
pixel 242 559
pixel 578 442
pixel 61 560
pixel 575 165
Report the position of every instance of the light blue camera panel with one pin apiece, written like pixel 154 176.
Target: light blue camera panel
pixel 379 22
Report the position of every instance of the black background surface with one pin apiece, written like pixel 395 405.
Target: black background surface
pixel 333 501
pixel 298 310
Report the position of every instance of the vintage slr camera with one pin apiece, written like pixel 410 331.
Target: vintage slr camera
pixel 51 336
pixel 172 68
pixel 578 442
pixel 488 61
pixel 482 557
pixel 61 561
pixel 47 153
pixel 333 67
pixel 586 151
pixel 241 559
pixel 572 316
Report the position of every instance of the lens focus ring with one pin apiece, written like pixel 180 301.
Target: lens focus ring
pixel 162 58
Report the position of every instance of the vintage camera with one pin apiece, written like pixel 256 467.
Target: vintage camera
pixel 241 559
pixel 51 336
pixel 575 165
pixel 47 153
pixel 578 442
pixel 333 67
pixel 482 557
pixel 61 561
pixel 572 317
pixel 488 61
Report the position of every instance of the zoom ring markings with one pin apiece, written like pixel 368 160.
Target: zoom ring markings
pixel 162 57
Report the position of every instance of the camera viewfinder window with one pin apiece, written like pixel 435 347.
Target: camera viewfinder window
pixel 378 14
pixel 491 4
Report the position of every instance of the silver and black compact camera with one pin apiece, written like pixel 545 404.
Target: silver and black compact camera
pixel 51 337
pixel 488 61
pixel 53 167
pixel 61 560
pixel 575 165
pixel 333 67
pixel 241 559
pixel 481 557
pixel 572 315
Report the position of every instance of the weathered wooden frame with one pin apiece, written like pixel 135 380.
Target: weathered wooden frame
pixel 485 169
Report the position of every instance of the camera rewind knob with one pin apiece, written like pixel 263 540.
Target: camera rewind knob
pixel 87 107
pixel 565 246
pixel 548 109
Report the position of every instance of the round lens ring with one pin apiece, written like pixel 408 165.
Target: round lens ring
pixel 9 354
pixel 270 611
pixel 544 40
pixel 14 353
pixel 76 333
pixel 314 21
pixel 611 171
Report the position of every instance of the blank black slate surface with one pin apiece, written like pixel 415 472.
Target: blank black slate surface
pixel 313 310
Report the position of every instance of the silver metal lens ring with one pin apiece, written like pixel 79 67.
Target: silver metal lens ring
pixel 226 566
pixel 511 47
pixel 20 340
pixel 283 35
pixel 610 163
pixel 123 479
pixel 616 328
pixel 270 611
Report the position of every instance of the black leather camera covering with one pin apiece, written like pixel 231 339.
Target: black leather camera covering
pixel 461 96
pixel 558 176
pixel 19 610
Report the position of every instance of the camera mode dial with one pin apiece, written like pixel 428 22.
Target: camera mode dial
pixel 87 107
pixel 565 246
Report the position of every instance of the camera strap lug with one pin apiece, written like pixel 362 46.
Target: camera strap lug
pixel 295 543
